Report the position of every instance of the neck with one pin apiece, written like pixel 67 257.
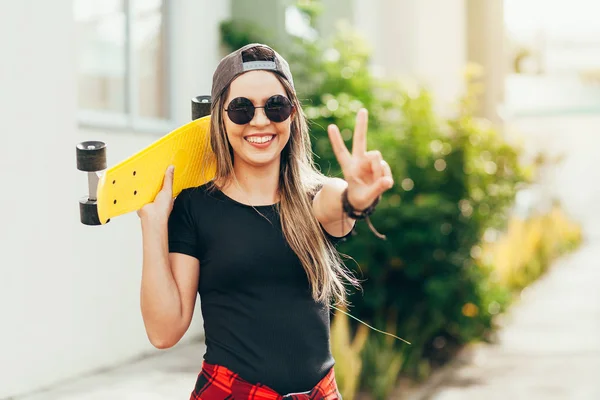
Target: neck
pixel 255 185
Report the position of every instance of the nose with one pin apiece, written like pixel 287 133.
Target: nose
pixel 260 118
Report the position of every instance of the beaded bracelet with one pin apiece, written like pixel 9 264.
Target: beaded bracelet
pixel 364 214
pixel 352 212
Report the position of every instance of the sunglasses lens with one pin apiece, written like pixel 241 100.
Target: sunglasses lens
pixel 240 111
pixel 278 108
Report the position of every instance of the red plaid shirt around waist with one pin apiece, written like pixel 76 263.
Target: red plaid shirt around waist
pixel 218 383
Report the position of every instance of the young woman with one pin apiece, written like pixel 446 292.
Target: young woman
pixel 258 241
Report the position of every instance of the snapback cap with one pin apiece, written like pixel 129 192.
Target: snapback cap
pixel 233 65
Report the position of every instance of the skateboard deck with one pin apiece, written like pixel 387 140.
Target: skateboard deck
pixel 135 182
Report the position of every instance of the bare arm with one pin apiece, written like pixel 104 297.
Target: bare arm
pixel 327 208
pixel 169 281
pixel 168 289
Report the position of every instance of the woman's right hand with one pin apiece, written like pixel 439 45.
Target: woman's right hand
pixel 160 209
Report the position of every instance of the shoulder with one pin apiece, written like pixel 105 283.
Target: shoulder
pixel 196 193
pixel 205 201
pixel 193 205
pixel 191 200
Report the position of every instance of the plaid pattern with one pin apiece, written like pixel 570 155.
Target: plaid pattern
pixel 216 382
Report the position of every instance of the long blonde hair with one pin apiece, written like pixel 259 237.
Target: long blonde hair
pixel 299 182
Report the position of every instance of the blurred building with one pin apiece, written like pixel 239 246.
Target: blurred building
pixel 554 50
pixel 124 71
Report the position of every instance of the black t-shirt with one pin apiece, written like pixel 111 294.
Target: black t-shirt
pixel 260 320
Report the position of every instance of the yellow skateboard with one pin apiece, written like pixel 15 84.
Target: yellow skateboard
pixel 136 181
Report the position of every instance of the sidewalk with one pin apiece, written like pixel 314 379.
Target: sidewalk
pixel 169 375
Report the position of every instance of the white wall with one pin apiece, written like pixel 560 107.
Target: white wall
pixel 423 40
pixel 69 294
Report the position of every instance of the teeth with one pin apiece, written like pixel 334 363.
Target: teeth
pixel 259 139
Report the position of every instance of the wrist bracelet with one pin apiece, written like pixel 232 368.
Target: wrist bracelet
pixel 352 212
pixel 364 214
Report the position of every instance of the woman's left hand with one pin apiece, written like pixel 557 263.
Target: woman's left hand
pixel 367 173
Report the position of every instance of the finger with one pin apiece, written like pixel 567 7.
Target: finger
pixel 359 141
pixel 387 171
pixel 381 185
pixel 375 161
pixel 168 179
pixel 339 147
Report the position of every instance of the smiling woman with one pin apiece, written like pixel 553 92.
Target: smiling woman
pixel 263 233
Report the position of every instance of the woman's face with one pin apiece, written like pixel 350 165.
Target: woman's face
pixel 259 142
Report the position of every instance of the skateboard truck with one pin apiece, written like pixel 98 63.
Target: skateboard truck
pixel 91 158
pixel 200 107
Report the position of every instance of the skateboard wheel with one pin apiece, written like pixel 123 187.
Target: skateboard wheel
pixel 91 156
pixel 88 212
pixel 200 107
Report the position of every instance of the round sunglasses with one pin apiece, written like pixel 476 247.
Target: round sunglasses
pixel 277 108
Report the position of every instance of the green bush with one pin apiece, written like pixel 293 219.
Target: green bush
pixel 455 178
pixel 240 33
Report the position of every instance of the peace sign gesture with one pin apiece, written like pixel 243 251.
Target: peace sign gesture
pixel 366 172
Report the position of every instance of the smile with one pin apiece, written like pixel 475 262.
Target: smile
pixel 259 139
